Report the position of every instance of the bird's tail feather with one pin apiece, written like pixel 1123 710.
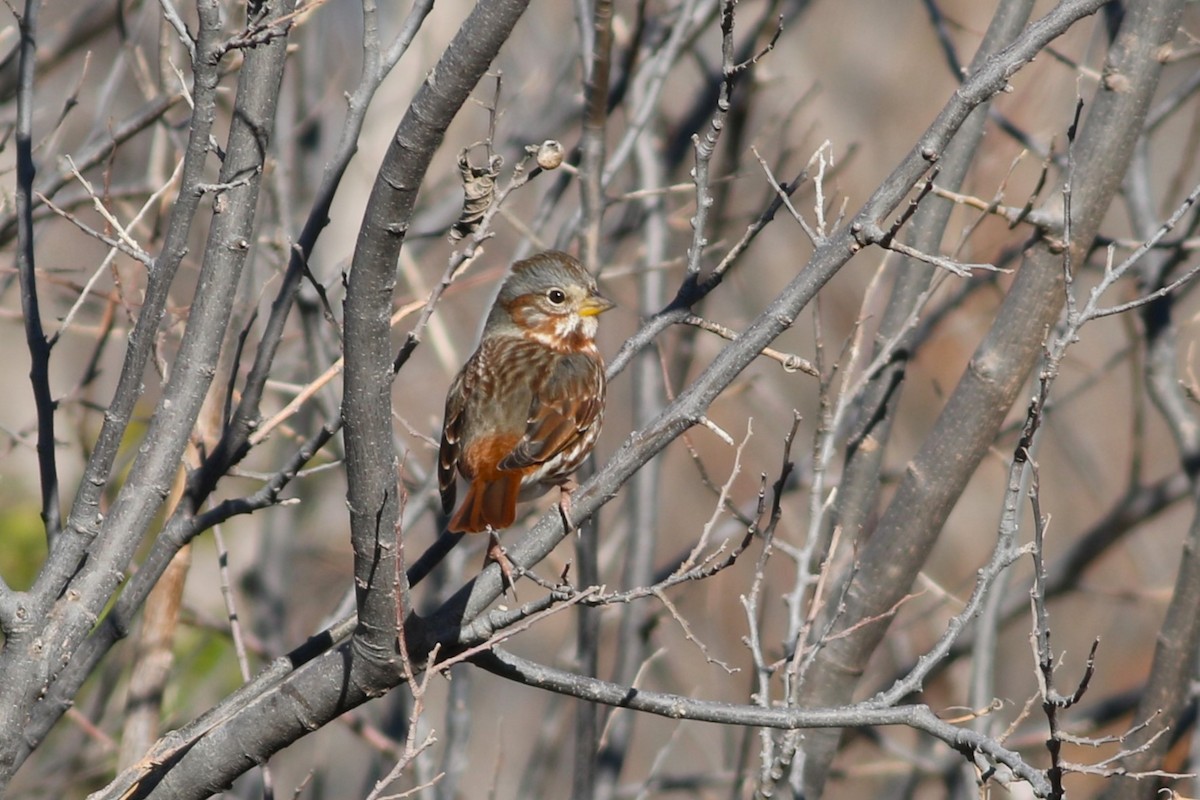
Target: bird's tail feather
pixel 488 504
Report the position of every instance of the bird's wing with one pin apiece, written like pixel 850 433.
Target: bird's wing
pixel 451 447
pixel 561 411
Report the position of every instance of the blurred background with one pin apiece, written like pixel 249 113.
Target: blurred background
pixel 856 81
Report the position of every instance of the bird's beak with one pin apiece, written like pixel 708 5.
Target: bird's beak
pixel 595 305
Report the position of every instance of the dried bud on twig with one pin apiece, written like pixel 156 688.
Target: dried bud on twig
pixel 549 154
pixel 479 187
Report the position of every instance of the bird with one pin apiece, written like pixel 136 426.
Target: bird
pixel 526 408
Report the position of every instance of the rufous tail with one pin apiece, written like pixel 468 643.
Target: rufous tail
pixel 488 504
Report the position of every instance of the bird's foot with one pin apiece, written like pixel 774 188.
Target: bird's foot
pixel 496 553
pixel 564 504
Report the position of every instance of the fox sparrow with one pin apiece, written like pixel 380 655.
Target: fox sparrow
pixel 526 409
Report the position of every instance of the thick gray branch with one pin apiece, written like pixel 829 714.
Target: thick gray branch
pixel 22 662
pixel 110 542
pixel 371 464
pixel 968 424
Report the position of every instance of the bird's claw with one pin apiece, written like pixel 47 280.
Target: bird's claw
pixel 564 504
pixel 496 553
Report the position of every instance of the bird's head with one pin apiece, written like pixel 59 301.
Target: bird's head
pixel 551 298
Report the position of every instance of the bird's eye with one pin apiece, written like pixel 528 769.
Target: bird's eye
pixel 556 296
